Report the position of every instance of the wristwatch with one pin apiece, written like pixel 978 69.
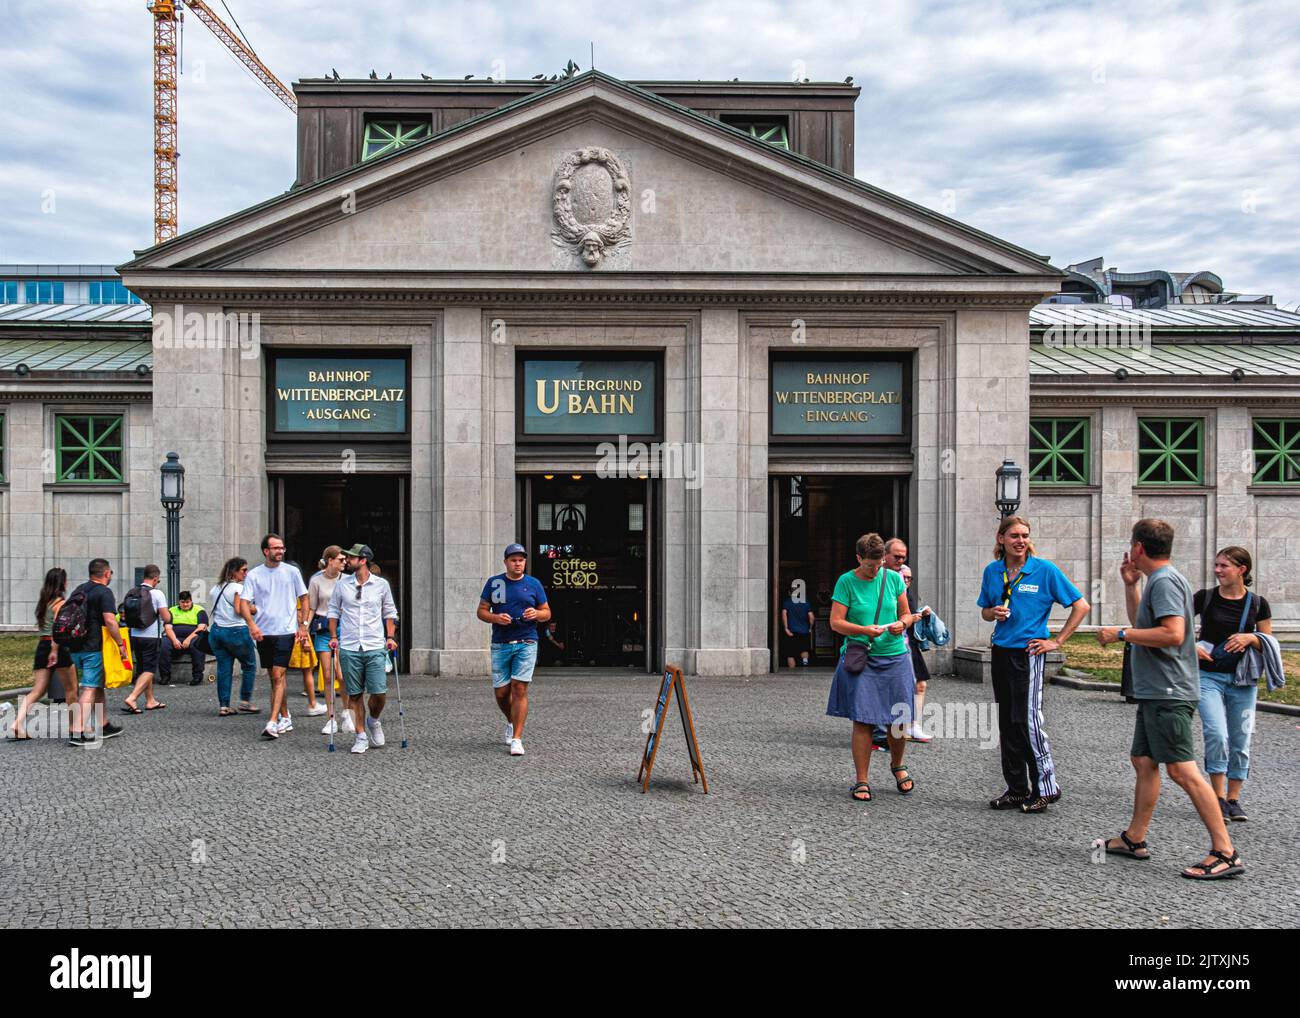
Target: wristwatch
pixel 1120 634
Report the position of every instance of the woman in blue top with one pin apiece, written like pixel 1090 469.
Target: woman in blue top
pixel 873 682
pixel 1017 593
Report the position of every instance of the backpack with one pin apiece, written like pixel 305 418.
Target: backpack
pixel 137 608
pixel 70 624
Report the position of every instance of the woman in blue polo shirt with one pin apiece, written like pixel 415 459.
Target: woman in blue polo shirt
pixel 1017 594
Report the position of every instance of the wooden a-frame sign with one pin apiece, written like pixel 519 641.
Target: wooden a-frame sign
pixel 672 679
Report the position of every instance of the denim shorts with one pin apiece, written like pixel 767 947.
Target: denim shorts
pixel 513 662
pixel 90 668
pixel 320 642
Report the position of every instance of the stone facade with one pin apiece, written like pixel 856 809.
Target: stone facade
pixel 449 252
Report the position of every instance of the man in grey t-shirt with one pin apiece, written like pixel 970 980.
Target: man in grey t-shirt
pixel 1166 684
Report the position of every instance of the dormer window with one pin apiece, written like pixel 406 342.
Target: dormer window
pixel 771 129
pixel 388 134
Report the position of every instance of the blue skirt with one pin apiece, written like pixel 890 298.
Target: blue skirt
pixel 881 694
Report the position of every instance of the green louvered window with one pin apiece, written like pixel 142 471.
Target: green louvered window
pixel 1058 450
pixel 773 130
pixel 385 135
pixel 1277 450
pixel 89 448
pixel 1171 450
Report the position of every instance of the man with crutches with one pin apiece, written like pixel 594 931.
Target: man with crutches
pixel 363 626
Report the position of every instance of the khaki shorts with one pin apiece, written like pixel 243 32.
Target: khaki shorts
pixel 1164 731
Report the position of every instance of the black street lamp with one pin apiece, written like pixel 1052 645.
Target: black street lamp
pixel 173 498
pixel 1008 496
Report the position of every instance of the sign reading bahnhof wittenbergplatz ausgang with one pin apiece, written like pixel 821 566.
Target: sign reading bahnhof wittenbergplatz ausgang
pixel 848 398
pixel 343 394
pixel 589 397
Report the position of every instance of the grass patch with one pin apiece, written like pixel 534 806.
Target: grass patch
pixel 16 650
pixel 1105 664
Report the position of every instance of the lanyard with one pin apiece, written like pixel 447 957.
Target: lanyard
pixel 1008 584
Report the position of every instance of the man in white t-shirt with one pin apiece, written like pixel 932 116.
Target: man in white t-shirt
pixel 146 638
pixel 280 616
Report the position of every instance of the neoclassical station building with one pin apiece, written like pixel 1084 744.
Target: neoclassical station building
pixel 659 333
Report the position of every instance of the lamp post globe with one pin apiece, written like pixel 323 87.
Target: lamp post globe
pixel 172 475
pixel 1008 488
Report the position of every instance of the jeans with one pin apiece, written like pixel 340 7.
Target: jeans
pixel 231 644
pixel 1227 721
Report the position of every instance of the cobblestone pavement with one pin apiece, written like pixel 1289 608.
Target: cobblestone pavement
pixel 191 820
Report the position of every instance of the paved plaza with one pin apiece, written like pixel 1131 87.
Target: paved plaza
pixel 191 820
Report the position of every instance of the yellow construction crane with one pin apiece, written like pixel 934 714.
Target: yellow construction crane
pixel 168 22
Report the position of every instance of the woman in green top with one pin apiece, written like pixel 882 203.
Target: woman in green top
pixel 873 683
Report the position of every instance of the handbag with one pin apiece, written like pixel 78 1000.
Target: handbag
pixel 1126 675
pixel 303 657
pixel 857 652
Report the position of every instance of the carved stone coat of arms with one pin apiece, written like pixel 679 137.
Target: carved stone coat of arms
pixel 592 205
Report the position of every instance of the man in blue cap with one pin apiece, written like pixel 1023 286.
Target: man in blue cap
pixel 513 603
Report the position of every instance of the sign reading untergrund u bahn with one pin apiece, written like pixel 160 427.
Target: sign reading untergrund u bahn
pixel 837 397
pixel 589 397
pixel 343 394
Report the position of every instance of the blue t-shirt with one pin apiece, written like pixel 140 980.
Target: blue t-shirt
pixel 796 614
pixel 506 595
pixel 1039 585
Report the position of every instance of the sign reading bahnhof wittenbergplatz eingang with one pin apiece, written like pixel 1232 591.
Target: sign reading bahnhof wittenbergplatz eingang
pixel 344 394
pixel 837 397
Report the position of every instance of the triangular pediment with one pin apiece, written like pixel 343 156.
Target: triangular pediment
pixel 646 186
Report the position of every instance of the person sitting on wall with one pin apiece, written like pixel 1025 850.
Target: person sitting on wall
pixel 186 633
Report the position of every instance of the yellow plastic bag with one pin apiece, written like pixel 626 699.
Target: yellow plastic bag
pixel 117 673
pixel 302 657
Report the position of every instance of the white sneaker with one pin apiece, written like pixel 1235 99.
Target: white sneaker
pixel 285 724
pixel 917 733
pixel 375 730
pixel 271 731
pixel 361 744
pixel 516 747
pixel 510 733
pixel 331 727
pixel 317 711
pixel 349 723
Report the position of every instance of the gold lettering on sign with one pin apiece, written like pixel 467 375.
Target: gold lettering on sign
pixel 613 395
pixel 804 396
pixel 542 404
pixel 839 378
pixel 574 573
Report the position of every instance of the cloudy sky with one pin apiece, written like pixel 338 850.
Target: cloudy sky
pixel 1160 135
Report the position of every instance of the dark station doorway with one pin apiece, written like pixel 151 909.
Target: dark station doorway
pixel 591 544
pixel 313 511
pixel 816 520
